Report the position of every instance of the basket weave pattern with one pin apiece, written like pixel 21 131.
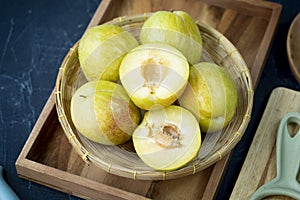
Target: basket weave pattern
pixel 121 160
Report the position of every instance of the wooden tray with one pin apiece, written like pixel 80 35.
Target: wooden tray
pixel 49 159
pixel 260 164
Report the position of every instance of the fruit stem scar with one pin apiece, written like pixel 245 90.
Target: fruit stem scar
pixel 82 96
pixel 152 92
pixel 152 87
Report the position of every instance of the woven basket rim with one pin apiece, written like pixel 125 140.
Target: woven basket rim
pixel 157 175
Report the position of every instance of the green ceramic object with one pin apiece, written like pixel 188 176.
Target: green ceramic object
pixel 6 193
pixel 288 162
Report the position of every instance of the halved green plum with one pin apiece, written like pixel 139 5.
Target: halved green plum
pixel 168 138
pixel 154 75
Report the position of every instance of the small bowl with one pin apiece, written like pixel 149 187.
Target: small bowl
pixel 293 47
pixel 122 160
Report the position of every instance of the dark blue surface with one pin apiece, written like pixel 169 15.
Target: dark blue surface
pixel 34 38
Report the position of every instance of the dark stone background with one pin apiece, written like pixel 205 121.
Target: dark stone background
pixel 34 38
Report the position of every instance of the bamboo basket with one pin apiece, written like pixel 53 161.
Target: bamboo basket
pixel 122 160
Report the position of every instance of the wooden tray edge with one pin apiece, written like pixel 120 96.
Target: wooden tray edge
pixel 70 183
pixel 49 106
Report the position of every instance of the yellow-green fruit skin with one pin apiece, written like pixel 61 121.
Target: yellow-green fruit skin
pixel 211 96
pixel 167 158
pixel 177 29
pixel 101 50
pixel 107 116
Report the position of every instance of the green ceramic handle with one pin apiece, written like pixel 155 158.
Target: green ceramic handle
pixel 6 193
pixel 288 162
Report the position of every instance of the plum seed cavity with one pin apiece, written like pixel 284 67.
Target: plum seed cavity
pixel 153 71
pixel 166 135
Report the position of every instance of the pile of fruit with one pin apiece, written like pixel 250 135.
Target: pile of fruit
pixel 155 92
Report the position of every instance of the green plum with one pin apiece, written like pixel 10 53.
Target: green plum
pixel 211 96
pixel 177 29
pixel 101 50
pixel 102 112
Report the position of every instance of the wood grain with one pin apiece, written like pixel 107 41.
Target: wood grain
pixel 260 164
pixel 49 159
pixel 193 188
pixel 293 47
pixel 236 19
